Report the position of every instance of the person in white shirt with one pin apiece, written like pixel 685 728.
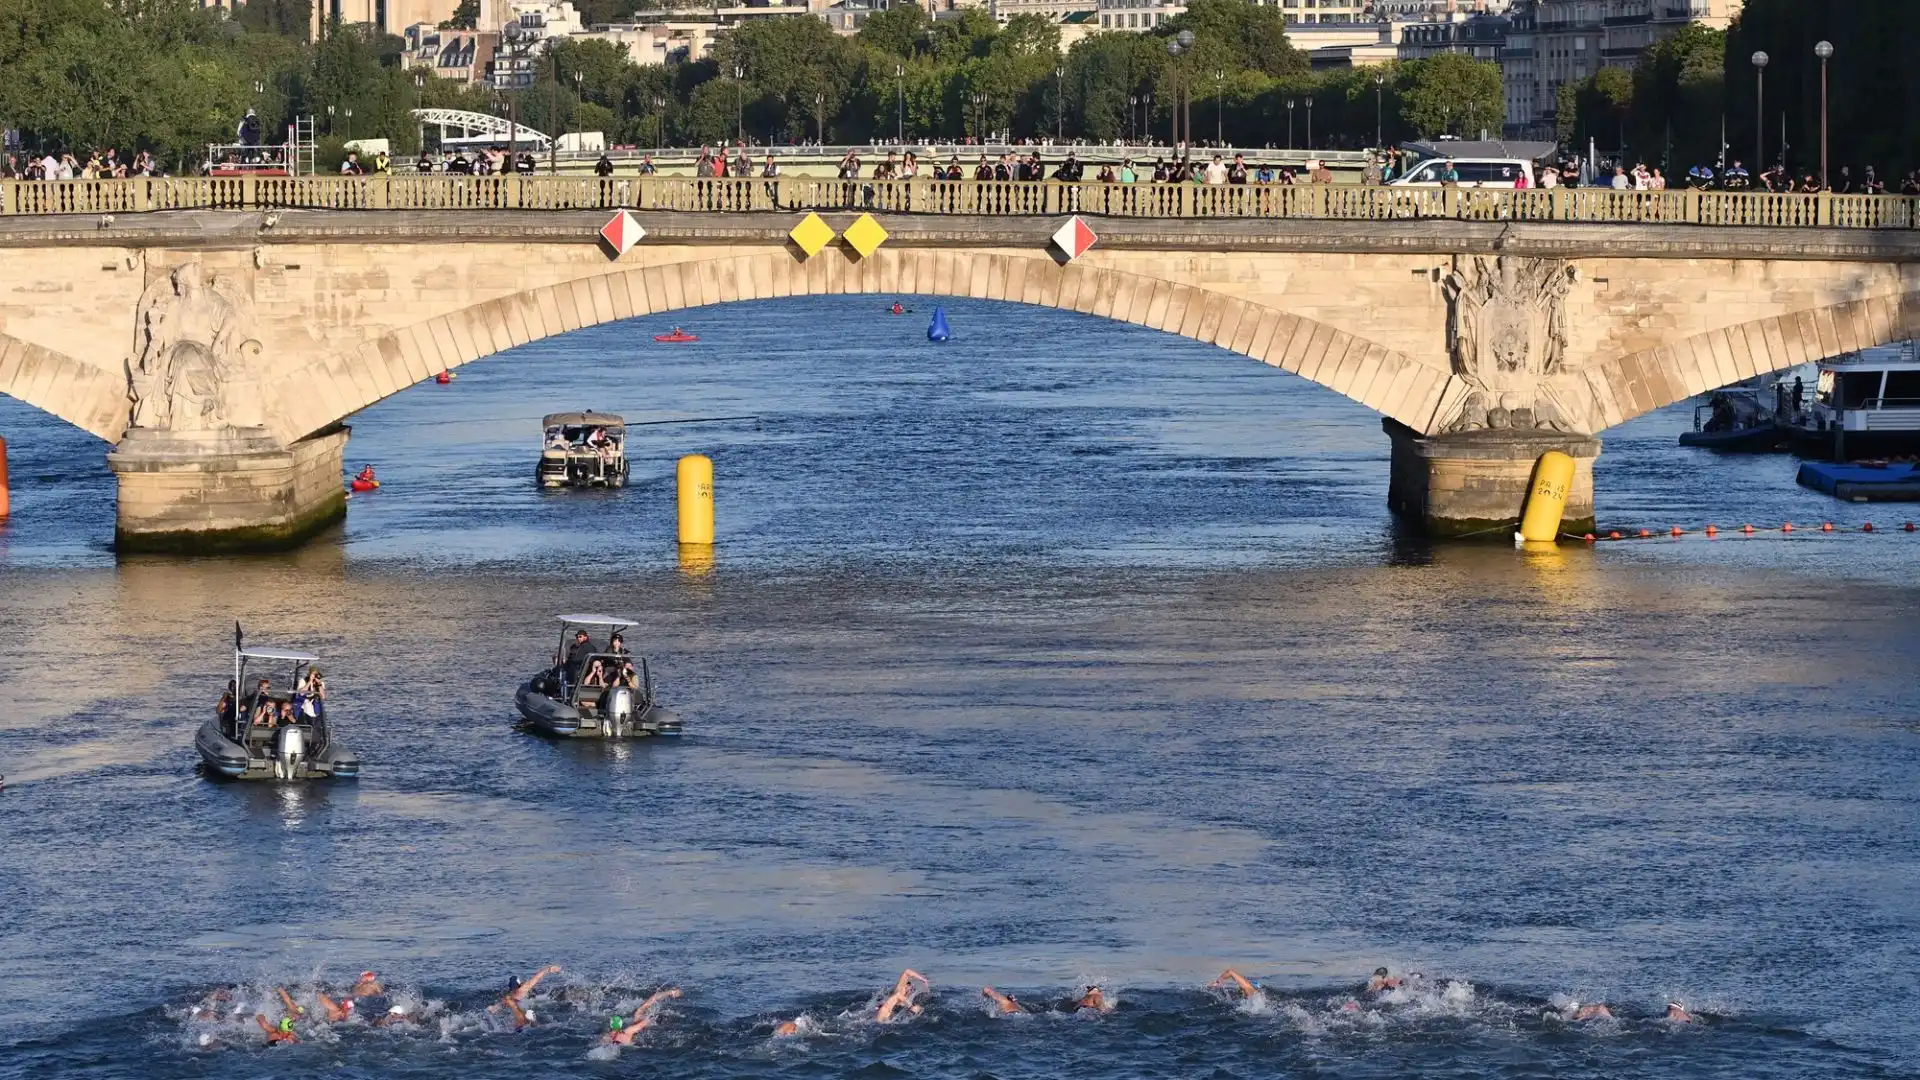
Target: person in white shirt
pixel 1620 181
pixel 50 168
pixel 1216 171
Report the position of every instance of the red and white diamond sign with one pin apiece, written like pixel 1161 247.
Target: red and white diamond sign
pixel 622 232
pixel 1074 238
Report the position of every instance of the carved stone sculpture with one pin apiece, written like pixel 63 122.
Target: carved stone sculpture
pixel 192 341
pixel 1507 336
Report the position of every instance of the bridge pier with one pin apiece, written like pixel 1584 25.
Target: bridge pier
pixel 1474 484
pixel 232 490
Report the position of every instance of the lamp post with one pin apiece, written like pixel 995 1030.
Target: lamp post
pixel 348 112
pixel 659 122
pixel 1133 105
pixel 820 117
pixel 900 103
pixel 1290 105
pixel 1173 76
pixel 1309 123
pixel 419 86
pixel 1219 107
pixel 980 115
pixel 1824 50
pixel 1185 38
pixel 1760 110
pixel 1379 111
pixel 1059 104
pixel 1146 115
pixel 740 103
pixel 329 119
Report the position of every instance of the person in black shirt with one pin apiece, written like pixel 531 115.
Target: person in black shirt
pixel 577 654
pixel 603 167
pixel 1237 172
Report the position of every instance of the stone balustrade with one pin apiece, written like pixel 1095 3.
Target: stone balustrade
pixel 1336 202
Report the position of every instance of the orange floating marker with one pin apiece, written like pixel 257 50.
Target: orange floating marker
pixel 1588 538
pixel 1868 527
pixel 1788 527
pixel 1909 526
pixel 1614 535
pixel 4 508
pixel 1712 531
pixel 1748 529
pixel 1826 527
pixel 1677 530
pixel 1644 533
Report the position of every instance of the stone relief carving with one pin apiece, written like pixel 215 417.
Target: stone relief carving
pixel 192 340
pixel 1507 336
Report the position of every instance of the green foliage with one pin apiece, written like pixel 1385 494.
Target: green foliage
pixel 1451 94
pixel 466 16
pixel 900 30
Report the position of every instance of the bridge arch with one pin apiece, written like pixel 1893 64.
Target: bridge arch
pixel 87 396
pixel 1639 383
pixel 334 387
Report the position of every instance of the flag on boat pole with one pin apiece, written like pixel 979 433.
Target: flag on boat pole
pixel 236 635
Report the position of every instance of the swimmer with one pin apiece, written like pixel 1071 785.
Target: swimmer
pixel 397 1014
pixel 517 991
pixel 287 1000
pixel 1678 1013
pixel 1248 989
pixel 368 986
pixel 902 996
pixel 1593 1011
pixel 1382 981
pixel 283 1033
pixel 1095 1000
pixel 621 1032
pixel 787 1029
pixel 1004 1003
pixel 337 1011
pixel 207 1010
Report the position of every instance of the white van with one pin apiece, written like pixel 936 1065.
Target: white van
pixel 1474 173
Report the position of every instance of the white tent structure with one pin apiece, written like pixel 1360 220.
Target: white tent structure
pixel 478 130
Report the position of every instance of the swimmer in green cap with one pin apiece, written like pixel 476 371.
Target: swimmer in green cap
pixel 621 1031
pixel 282 1033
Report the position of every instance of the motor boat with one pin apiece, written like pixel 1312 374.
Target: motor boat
pixel 1735 421
pixel 581 450
pixel 678 336
pixel 1866 405
pixel 591 691
pixel 241 744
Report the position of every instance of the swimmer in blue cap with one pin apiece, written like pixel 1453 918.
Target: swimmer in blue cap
pixel 517 991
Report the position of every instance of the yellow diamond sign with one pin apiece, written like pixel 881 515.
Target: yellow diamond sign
pixel 866 235
pixel 812 234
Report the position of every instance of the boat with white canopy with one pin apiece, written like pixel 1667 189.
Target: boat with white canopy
pixel 596 687
pixel 273 731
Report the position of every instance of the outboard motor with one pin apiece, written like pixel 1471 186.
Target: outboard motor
pixel 291 748
pixel 616 715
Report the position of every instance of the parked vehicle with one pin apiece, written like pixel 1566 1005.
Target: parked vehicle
pixel 1472 172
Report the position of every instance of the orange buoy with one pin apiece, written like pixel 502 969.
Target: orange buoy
pixel 1748 529
pixel 1588 538
pixel 3 478
pixel 1614 535
pixel 4 506
pixel 1712 531
pixel 1644 533
pixel 1677 530
pixel 1827 527
pixel 1788 527
pixel 1868 527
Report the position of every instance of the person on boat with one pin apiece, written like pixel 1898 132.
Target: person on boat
pixel 1094 1000
pixel 578 654
pixel 285 715
pixel 1248 988
pixel 310 698
pixel 902 996
pixel 1382 981
pixel 1004 1004
pixel 1799 393
pixel 226 710
pixel 621 1031
pixel 1677 1013
pixel 596 673
pixel 627 677
pixel 617 646
pixel 366 475
pixel 276 1034
pixel 262 713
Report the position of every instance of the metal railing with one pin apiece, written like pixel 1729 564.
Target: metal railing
pixel 1339 202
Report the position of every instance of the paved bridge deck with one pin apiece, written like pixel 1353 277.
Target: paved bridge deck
pixel 997 199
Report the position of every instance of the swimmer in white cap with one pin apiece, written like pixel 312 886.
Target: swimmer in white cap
pixel 1678 1013
pixel 1591 1011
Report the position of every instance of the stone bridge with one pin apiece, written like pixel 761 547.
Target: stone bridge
pixel 220 351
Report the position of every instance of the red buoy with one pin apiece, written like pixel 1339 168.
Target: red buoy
pixel 1868 527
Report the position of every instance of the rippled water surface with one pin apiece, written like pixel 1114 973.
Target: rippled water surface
pixel 1068 652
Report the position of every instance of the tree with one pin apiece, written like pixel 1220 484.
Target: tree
pixel 899 31
pixel 466 16
pixel 1452 93
pixel 1679 95
pixel 1240 35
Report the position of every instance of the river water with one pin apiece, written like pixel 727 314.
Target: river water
pixel 1067 652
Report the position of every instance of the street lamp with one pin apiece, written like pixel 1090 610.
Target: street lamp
pixel 980 115
pixel 1059 103
pixel 1290 104
pixel 1133 105
pixel 1824 50
pixel 1185 38
pixel 1760 110
pixel 1146 115
pixel 1219 107
pixel 1379 102
pixel 660 122
pixel 1173 74
pixel 820 117
pixel 740 103
pixel 1309 123
pixel 900 99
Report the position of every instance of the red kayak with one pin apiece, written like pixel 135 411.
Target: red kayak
pixel 677 336
pixel 358 484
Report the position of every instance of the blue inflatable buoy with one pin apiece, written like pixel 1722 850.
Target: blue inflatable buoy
pixel 938 330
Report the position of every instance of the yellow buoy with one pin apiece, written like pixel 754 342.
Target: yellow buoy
pixel 1546 498
pixel 696 499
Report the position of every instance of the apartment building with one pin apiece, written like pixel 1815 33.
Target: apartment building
pixel 1555 42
